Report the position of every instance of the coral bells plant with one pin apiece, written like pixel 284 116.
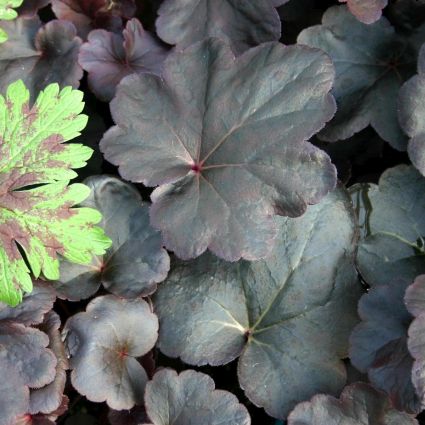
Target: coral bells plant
pixel 212 212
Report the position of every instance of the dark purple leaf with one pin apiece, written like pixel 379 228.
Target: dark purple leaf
pixel 287 317
pixel 14 394
pixel 109 57
pixel 358 404
pixel 378 345
pixel 415 302
pixel 395 224
pixel 49 398
pixel 371 63
pixel 225 139
pixel 39 55
pixel 30 8
pixel 90 14
pixel 191 397
pixel 136 261
pixel 24 349
pixel 103 344
pixel 243 24
pixel 411 111
pixel 33 307
pixel 366 11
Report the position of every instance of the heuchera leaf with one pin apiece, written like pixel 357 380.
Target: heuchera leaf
pixel 371 63
pixel 136 261
pixel 191 397
pixel 14 395
pixel 8 13
pixel 415 302
pixel 42 220
pixel 104 343
pixel 90 14
pixel 411 111
pixel 225 139
pixel 366 11
pixel 109 57
pixel 24 349
pixel 394 246
pixel 243 24
pixel 49 398
pixel 378 345
pixel 358 404
pixel 278 315
pixel 33 307
pixel 40 55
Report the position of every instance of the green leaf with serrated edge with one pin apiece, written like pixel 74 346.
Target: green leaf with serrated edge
pixel 7 14
pixel 40 222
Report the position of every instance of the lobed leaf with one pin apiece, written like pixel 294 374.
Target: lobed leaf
pixel 394 245
pixel 46 400
pixel 14 395
pixel 358 404
pixel 24 349
pixel 278 315
pixel 135 262
pixel 371 63
pixel 90 14
pixel 411 110
pixel 38 222
pixel 191 397
pixel 243 24
pixel 104 343
pixel 225 140
pixel 109 57
pixel 378 345
pixel 40 55
pixel 415 302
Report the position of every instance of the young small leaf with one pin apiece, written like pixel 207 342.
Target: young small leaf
pixel 109 57
pixel 104 343
pixel 38 222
